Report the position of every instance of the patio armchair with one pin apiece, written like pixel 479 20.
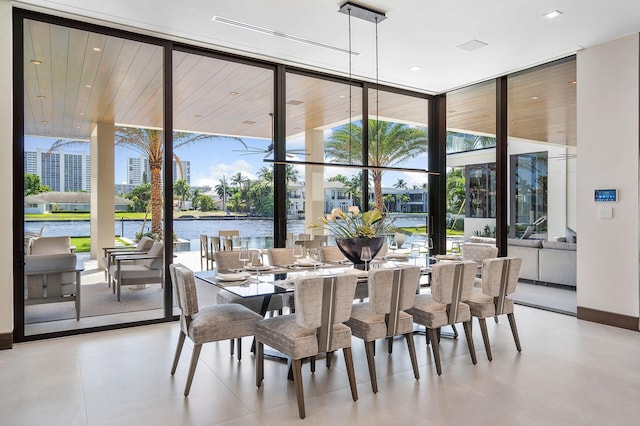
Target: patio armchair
pixel 136 269
pixel 143 247
pixel 52 278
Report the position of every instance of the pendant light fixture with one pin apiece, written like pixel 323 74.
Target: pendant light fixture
pixel 373 16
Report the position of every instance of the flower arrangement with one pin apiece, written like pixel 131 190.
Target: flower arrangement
pixel 354 223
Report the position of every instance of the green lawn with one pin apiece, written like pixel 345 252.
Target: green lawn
pixel 80 216
pixel 83 244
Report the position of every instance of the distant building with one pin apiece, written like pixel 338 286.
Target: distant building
pixel 47 202
pixel 61 171
pixel 138 171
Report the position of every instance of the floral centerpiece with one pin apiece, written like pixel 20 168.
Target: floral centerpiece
pixel 354 230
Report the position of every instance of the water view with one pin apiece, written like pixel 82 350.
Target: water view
pixel 258 231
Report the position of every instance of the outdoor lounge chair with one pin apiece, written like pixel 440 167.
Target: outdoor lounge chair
pixel 134 269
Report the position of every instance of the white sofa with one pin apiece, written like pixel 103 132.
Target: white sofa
pixel 544 261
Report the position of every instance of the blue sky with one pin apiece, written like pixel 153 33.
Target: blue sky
pixel 211 160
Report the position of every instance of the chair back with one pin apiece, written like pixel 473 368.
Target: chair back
pixel 309 245
pixel 478 252
pixel 499 278
pixel 226 260
pixel 184 284
pixel 392 291
pixel 204 246
pixel 51 245
pixel 452 283
pixel 144 244
pixel 280 256
pixel 322 302
pixel 214 244
pixel 324 239
pixel 156 253
pixel 226 238
pixel 304 237
pixel 331 254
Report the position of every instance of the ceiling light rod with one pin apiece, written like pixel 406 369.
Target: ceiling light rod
pixel 349 166
pixel 276 33
pixel 362 12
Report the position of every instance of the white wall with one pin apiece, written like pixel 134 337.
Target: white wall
pixel 608 138
pixel 6 170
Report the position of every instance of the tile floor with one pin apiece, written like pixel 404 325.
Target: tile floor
pixel 570 372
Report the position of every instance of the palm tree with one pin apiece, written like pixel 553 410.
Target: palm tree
pixel 400 184
pixel 150 143
pixel 390 144
pixel 462 142
pixel 182 189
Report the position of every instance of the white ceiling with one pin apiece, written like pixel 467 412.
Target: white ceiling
pixel 416 32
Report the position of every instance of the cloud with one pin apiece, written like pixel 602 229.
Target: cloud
pixel 217 171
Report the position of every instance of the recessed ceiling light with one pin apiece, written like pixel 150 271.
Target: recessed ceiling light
pixel 248 122
pixel 342 96
pixel 234 93
pixel 415 68
pixel 573 82
pixel 42 97
pixel 294 102
pixel 88 86
pixel 97 49
pixel 472 45
pixel 77 127
pixel 36 62
pixel 197 116
pixel 82 113
pixel 552 14
pixel 44 121
pixel 534 98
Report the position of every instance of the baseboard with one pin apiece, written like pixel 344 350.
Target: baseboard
pixel 609 318
pixel 6 341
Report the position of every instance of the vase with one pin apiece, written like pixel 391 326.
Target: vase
pixel 352 247
pixel 399 238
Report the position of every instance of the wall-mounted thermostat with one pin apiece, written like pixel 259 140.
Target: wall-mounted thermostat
pixel 606 195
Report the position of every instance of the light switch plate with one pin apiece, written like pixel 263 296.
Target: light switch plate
pixel 605 213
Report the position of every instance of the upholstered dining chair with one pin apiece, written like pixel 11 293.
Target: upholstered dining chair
pixel 227 260
pixel 210 324
pixel 331 254
pixel 451 283
pixel 499 278
pixel 323 304
pixel 280 256
pixel 391 293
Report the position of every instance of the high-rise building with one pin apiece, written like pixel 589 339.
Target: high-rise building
pixel 61 171
pixel 138 171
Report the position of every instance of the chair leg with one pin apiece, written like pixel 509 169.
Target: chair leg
pixel 231 346
pixel 455 331
pixel 239 348
pixel 348 361
pixel 176 357
pixel 412 353
pixel 435 348
pixel 390 345
pixel 469 335
pixel 259 363
pixel 312 363
pixel 192 368
pixel 514 331
pixel 297 380
pixel 485 337
pixel 369 349
pixel 328 358
pixel 495 318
